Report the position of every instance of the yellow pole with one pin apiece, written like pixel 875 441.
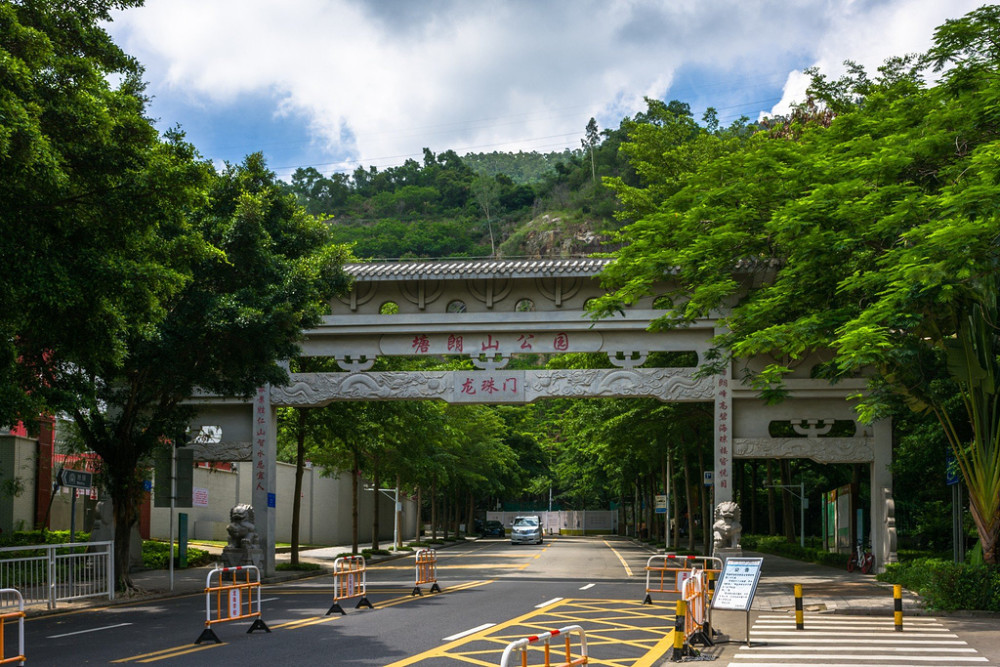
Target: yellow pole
pixel 679 630
pixel 799 621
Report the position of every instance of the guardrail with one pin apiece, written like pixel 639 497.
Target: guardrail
pixel 426 571
pixel 523 644
pixel 5 601
pixel 239 597
pixel 51 573
pixel 350 580
pixel 669 575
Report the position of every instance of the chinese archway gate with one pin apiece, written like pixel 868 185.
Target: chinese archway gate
pixel 492 309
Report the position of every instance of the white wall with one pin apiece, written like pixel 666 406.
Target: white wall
pixel 325 513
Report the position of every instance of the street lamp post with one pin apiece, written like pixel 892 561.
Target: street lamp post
pixel 802 507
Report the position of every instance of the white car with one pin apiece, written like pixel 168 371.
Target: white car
pixel 526 530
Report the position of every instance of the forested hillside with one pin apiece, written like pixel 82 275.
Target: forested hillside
pixel 480 205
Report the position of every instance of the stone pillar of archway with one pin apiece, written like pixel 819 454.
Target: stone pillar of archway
pixel 881 493
pixel 264 475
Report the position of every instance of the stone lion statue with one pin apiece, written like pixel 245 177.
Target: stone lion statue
pixel 727 527
pixel 242 533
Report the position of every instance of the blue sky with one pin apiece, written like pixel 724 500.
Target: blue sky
pixel 337 83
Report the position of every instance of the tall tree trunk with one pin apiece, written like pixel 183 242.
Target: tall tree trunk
pixel 753 496
pixel 690 507
pixel 651 506
pixel 663 481
pixel 434 494
pixel 355 476
pixel 787 511
pixel 376 497
pixel 470 518
pixel 420 517
pixel 300 463
pixel 772 521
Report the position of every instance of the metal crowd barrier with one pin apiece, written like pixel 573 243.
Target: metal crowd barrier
pixel 349 581
pixel 669 575
pixel 426 571
pixel 51 573
pixel 523 644
pixel 697 620
pixel 239 599
pixel 5 616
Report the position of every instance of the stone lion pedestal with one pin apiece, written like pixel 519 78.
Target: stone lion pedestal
pixel 244 545
pixel 726 531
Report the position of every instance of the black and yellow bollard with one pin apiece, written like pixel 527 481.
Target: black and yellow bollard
pixel 679 652
pixel 897 601
pixel 799 621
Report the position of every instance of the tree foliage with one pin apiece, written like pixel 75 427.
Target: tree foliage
pixel 865 224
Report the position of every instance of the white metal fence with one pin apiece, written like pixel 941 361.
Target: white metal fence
pixel 51 573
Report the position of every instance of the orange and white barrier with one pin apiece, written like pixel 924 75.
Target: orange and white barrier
pixel 350 580
pixel 426 571
pixel 667 573
pixel 235 592
pixel 5 616
pixel 521 645
pixel 697 625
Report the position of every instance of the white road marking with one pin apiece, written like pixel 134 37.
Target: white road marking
pixel 468 632
pixel 583 588
pixel 547 603
pixel 83 632
pixel 270 599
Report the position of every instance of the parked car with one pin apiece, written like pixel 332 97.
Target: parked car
pixel 526 530
pixel 492 529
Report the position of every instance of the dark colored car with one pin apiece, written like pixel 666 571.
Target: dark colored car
pixel 493 529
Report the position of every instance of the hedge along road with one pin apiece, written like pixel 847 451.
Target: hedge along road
pixel 492 590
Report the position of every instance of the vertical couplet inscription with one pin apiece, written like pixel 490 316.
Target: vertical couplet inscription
pixel 723 439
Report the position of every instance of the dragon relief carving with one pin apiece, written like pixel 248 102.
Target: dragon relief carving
pixel 821 450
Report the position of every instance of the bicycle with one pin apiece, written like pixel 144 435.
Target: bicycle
pixel 862 559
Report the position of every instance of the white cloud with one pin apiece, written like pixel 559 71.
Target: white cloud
pixel 383 79
pixel 870 32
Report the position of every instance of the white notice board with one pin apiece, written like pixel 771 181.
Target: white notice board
pixel 737 584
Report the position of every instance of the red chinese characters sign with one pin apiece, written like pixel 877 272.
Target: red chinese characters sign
pixel 503 343
pixel 489 386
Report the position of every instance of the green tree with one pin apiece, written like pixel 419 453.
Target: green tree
pixel 869 232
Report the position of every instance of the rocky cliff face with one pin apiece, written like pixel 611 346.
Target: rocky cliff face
pixel 554 236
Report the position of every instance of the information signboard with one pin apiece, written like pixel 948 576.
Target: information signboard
pixel 661 504
pixel 737 584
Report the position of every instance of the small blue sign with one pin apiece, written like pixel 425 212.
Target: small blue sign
pixel 952 475
pixel 147 485
pixel 271 501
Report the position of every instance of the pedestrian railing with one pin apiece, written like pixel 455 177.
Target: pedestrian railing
pixel 521 646
pixel 232 598
pixel 426 571
pixel 350 580
pixel 51 573
pixel 11 609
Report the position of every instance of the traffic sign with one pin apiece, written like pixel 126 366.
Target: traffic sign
pixel 708 478
pixel 661 504
pixel 76 479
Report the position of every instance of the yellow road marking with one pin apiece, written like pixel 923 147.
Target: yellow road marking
pixel 167 653
pixel 628 570
pixel 540 620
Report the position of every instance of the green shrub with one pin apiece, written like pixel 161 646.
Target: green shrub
pixel 419 544
pixel 155 555
pixel 947 586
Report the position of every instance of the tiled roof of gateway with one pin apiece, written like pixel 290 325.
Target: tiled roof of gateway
pixel 460 269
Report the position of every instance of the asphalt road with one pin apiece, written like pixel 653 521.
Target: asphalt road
pixel 492 593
